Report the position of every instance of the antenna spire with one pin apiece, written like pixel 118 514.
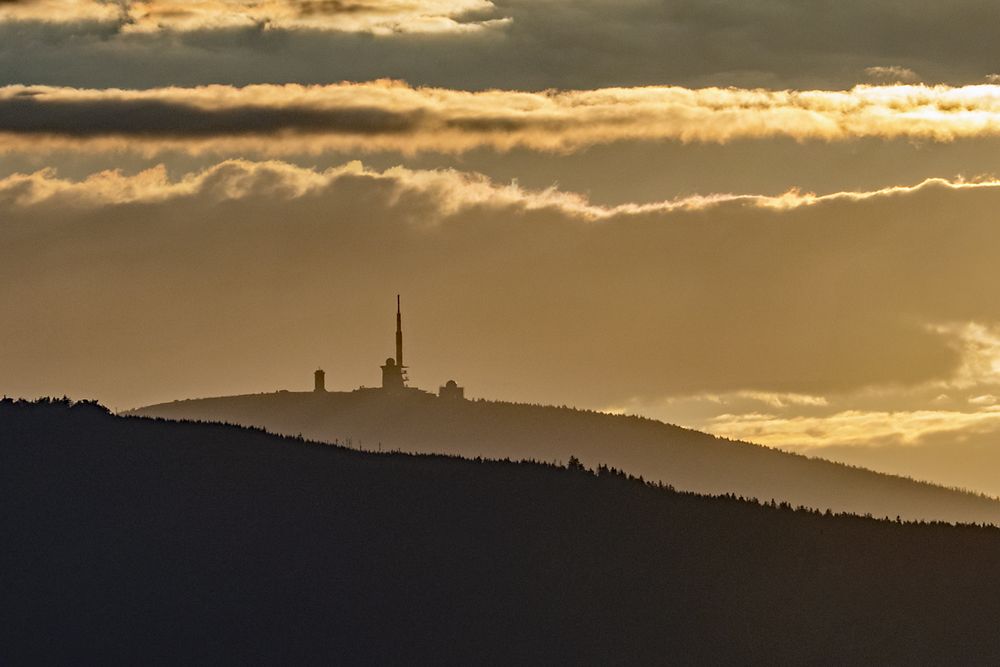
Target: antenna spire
pixel 399 334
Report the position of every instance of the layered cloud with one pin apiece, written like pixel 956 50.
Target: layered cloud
pixel 892 74
pixel 392 116
pixel 60 11
pixel 853 427
pixel 454 192
pixel 365 16
pixel 582 44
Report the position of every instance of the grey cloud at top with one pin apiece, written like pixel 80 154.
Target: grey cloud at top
pixel 560 43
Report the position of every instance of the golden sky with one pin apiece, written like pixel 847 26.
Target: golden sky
pixel 766 219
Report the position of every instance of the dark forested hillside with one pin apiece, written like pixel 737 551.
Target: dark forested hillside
pixel 689 460
pixel 138 541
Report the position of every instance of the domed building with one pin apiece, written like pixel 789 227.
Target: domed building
pixel 452 391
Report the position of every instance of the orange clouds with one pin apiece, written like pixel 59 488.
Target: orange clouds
pixel 59 11
pixel 392 116
pixel 383 17
pixel 453 191
pixel 851 428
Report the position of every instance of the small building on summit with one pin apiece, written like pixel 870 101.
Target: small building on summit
pixel 451 391
pixel 319 378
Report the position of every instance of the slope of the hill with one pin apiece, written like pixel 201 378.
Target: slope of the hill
pixel 137 541
pixel 688 460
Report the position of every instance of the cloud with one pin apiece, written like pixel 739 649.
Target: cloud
pixel 892 74
pixel 388 115
pixel 851 428
pixel 902 430
pixel 980 345
pixel 966 458
pixel 578 44
pixel 450 191
pixel 380 17
pixel 60 11
pixel 928 410
pixel 954 448
pixel 783 400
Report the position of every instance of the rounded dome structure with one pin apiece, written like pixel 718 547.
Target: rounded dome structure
pixel 390 362
pixel 451 391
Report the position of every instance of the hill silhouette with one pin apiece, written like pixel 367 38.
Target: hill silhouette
pixel 130 540
pixel 688 460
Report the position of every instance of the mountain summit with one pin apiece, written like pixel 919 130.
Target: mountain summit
pixel 404 418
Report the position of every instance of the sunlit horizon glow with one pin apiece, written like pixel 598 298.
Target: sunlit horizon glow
pixel 852 428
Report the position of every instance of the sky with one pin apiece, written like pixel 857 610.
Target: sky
pixel 774 220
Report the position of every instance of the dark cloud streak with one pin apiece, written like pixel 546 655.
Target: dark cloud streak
pixel 25 114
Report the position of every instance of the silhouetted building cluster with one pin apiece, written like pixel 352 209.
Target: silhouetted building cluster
pixel 394 378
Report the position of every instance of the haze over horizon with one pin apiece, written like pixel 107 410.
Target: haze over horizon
pixel 769 220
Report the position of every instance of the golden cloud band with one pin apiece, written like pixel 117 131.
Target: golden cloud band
pixel 380 17
pixel 453 190
pixel 392 116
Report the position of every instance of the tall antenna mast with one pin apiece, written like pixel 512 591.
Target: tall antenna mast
pixel 399 335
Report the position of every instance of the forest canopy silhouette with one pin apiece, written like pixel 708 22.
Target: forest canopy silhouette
pixel 183 536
